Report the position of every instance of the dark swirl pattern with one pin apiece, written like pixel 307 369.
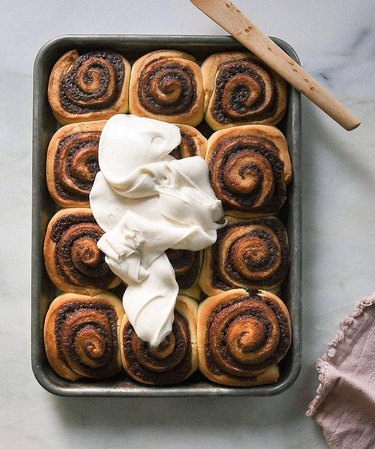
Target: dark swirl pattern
pixel 186 265
pixel 173 360
pixel 167 85
pixel 244 91
pixel 248 169
pixel 193 143
pixel 93 85
pixel 248 254
pixel 167 89
pixel 81 336
pixel 93 82
pixel 72 163
pixel 73 259
pixel 242 335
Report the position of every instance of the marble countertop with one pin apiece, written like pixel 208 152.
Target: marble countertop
pixel 335 41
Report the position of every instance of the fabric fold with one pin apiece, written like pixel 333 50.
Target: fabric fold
pixel 344 405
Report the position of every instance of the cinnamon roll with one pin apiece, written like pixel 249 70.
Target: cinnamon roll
pixel 81 336
pixel 193 143
pixel 92 86
pixel 174 360
pixel 241 89
pixel 167 85
pixel 242 336
pixel 249 168
pixel 249 254
pixel 73 260
pixel 72 163
pixel 187 266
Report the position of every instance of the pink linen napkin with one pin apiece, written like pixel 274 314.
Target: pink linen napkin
pixel 345 402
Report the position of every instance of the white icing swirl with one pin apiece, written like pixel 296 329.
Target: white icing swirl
pixel 146 202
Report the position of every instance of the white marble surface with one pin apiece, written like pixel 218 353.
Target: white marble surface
pixel 336 42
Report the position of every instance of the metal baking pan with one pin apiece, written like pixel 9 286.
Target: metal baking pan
pixel 43 292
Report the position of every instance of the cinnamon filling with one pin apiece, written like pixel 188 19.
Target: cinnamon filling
pixel 246 173
pixel 187 147
pixel 77 258
pixel 76 165
pixel 169 363
pixel 167 87
pixel 245 336
pixel 93 83
pixel 254 254
pixel 244 90
pixel 186 265
pixel 86 337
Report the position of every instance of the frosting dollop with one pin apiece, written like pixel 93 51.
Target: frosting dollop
pixel 146 202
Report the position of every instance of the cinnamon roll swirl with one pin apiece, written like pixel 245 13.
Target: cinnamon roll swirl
pixel 187 266
pixel 242 336
pixel 249 168
pixel 174 360
pixel 249 254
pixel 73 260
pixel 92 86
pixel 193 143
pixel 167 85
pixel 240 89
pixel 72 163
pixel 81 336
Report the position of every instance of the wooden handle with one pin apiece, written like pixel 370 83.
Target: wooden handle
pixel 229 17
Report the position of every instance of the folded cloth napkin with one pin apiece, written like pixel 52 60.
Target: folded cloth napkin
pixel 345 402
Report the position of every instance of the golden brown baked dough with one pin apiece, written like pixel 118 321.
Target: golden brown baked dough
pixel 72 163
pixel 249 168
pixel 73 261
pixel 240 89
pixel 81 335
pixel 250 254
pixel 174 360
pixel 193 143
pixel 167 85
pixel 242 336
pixel 92 86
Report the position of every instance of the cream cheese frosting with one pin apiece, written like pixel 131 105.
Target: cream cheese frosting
pixel 146 202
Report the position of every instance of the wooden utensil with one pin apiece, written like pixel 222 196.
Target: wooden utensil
pixel 229 17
